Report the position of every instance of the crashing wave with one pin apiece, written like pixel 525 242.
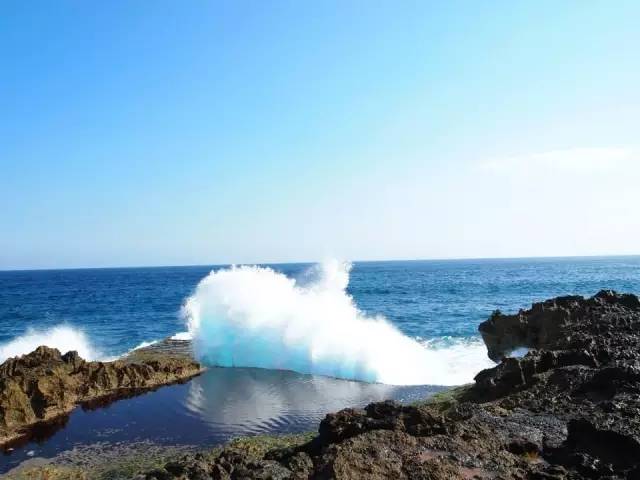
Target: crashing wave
pixel 63 337
pixel 252 316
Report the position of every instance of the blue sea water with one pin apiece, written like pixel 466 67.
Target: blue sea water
pixel 120 308
pixel 436 302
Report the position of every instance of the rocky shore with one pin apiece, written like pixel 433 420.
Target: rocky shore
pixel 45 385
pixel 568 409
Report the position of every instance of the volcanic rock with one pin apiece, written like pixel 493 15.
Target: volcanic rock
pixel 45 384
pixel 569 409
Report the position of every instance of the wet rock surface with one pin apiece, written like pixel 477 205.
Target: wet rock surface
pixel 45 385
pixel 569 409
pixel 100 461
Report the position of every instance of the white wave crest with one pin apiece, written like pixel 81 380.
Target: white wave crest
pixel 181 336
pixel 252 316
pixel 143 345
pixel 63 337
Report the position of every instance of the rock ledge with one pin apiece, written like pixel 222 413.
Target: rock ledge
pixel 44 385
pixel 568 410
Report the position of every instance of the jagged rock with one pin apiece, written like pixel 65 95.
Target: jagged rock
pixel 568 323
pixel 568 410
pixel 45 384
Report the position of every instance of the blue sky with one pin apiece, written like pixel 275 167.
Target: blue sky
pixel 155 133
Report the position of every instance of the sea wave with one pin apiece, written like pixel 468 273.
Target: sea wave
pixel 63 337
pixel 182 336
pixel 252 316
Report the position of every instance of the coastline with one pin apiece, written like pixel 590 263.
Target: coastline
pixel 566 410
pixel 38 390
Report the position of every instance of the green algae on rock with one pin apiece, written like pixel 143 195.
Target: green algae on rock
pixel 100 461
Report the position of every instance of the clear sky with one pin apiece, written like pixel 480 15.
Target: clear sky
pixel 163 132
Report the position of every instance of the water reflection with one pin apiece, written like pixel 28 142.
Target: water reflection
pixel 259 401
pixel 220 404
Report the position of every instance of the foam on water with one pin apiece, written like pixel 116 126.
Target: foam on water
pixel 144 345
pixel 253 316
pixel 63 337
pixel 518 352
pixel 182 336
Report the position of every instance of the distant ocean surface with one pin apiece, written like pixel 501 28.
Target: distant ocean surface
pixel 326 319
pixel 437 302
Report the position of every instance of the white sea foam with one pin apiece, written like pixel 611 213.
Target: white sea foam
pixel 518 352
pixel 63 337
pixel 252 316
pixel 182 336
pixel 143 345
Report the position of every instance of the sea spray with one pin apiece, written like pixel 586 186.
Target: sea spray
pixel 63 337
pixel 251 316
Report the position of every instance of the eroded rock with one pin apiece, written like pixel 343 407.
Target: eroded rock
pixel 569 409
pixel 44 385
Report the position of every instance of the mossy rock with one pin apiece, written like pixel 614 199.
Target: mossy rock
pixel 446 399
pixel 47 472
pixel 257 446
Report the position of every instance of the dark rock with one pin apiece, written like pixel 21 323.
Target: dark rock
pixel 568 410
pixel 565 323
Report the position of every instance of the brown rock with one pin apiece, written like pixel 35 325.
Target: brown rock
pixel 568 410
pixel 45 384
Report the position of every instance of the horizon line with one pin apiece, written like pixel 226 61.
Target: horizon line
pixel 441 259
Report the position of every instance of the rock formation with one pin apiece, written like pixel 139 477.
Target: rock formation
pixel 569 409
pixel 45 385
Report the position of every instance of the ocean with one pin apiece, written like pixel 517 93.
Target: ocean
pixel 433 301
pixel 323 336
